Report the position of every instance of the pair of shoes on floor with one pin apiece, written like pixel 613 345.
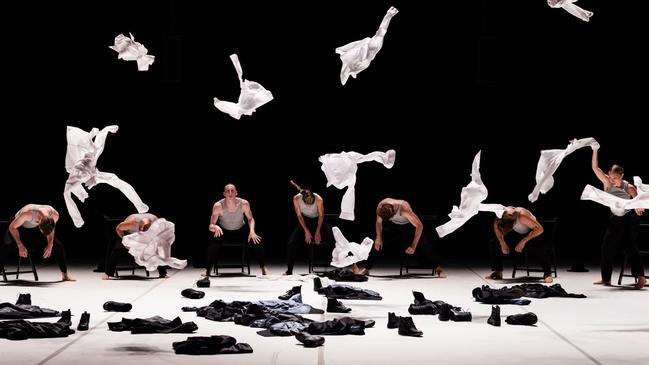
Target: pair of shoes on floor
pixel 523 319
pixel 494 319
pixel 405 325
pixel 336 306
pixel 24 299
pixel 455 314
pixel 291 292
pixel 83 322
pixel 203 283
pixel 309 340
pixel 111 306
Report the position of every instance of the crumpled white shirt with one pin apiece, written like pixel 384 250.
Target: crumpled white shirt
pixel 549 163
pixel 340 170
pixel 357 56
pixel 347 253
pixel 152 248
pixel 471 199
pixel 618 205
pixel 569 6
pixel 637 182
pixel 252 95
pixel 84 149
pixel 130 50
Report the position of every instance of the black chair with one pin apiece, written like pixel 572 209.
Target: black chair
pixel 404 258
pixel 4 225
pixel 126 262
pixel 643 237
pixel 243 264
pixel 322 261
pixel 550 229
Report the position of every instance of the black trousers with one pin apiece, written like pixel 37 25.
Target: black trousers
pixel 297 239
pixel 534 247
pixel 116 252
pixel 622 232
pixel 237 236
pixel 33 239
pixel 402 235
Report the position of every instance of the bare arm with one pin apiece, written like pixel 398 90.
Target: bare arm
pixel 598 172
pixel 216 213
pixel 378 242
pixel 251 222
pixel 128 224
pixel 406 211
pixel 13 229
pixel 320 204
pixel 298 212
pixel 532 223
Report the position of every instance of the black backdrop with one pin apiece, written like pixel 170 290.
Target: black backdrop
pixel 452 78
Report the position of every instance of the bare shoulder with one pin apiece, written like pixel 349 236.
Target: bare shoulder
pixel 245 203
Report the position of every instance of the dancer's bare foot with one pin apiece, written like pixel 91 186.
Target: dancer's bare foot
pixel 265 271
pixel 286 273
pixel 602 282
pixel 205 274
pixel 642 281
pixel 496 275
pixel 67 277
pixel 165 276
pixel 357 270
pixel 548 279
pixel 440 272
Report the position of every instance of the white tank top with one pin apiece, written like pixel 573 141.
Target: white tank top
pixel 33 222
pixel 520 227
pixel 397 218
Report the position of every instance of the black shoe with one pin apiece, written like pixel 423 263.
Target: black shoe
pixel 66 318
pixel 393 320
pixel 335 306
pixel 203 283
pixel 407 327
pixel 445 312
pixel 117 306
pixel 83 322
pixel 419 298
pixel 189 309
pixel 494 319
pixel 317 284
pixel 309 340
pixel 458 315
pixel 192 294
pixel 291 292
pixel 24 299
pixel 524 319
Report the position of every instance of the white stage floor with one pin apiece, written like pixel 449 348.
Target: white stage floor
pixel 611 326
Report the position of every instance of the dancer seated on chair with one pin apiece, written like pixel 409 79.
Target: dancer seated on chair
pixel 311 228
pixel 516 226
pixel 33 226
pixel 139 222
pixel 228 225
pixel 397 222
pixel 623 226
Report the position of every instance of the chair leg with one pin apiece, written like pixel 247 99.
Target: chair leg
pixel 33 268
pixel 515 265
pixel 18 266
pixel 619 280
pixel 554 261
pixel 310 259
pixel 4 274
pixel 527 264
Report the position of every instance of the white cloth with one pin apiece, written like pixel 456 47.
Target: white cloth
pixel 84 148
pixel 471 199
pixel 347 253
pixel 637 182
pixel 357 56
pixel 569 6
pixel 549 163
pixel 340 170
pixel 130 50
pixel 618 205
pixel 252 95
pixel 152 248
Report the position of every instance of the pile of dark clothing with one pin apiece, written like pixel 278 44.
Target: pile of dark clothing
pixel 342 291
pixel 24 309
pixel 512 295
pixel 19 329
pixel 212 345
pixel 344 274
pixel 153 324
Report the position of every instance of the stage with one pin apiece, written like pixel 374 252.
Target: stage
pixel 610 326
